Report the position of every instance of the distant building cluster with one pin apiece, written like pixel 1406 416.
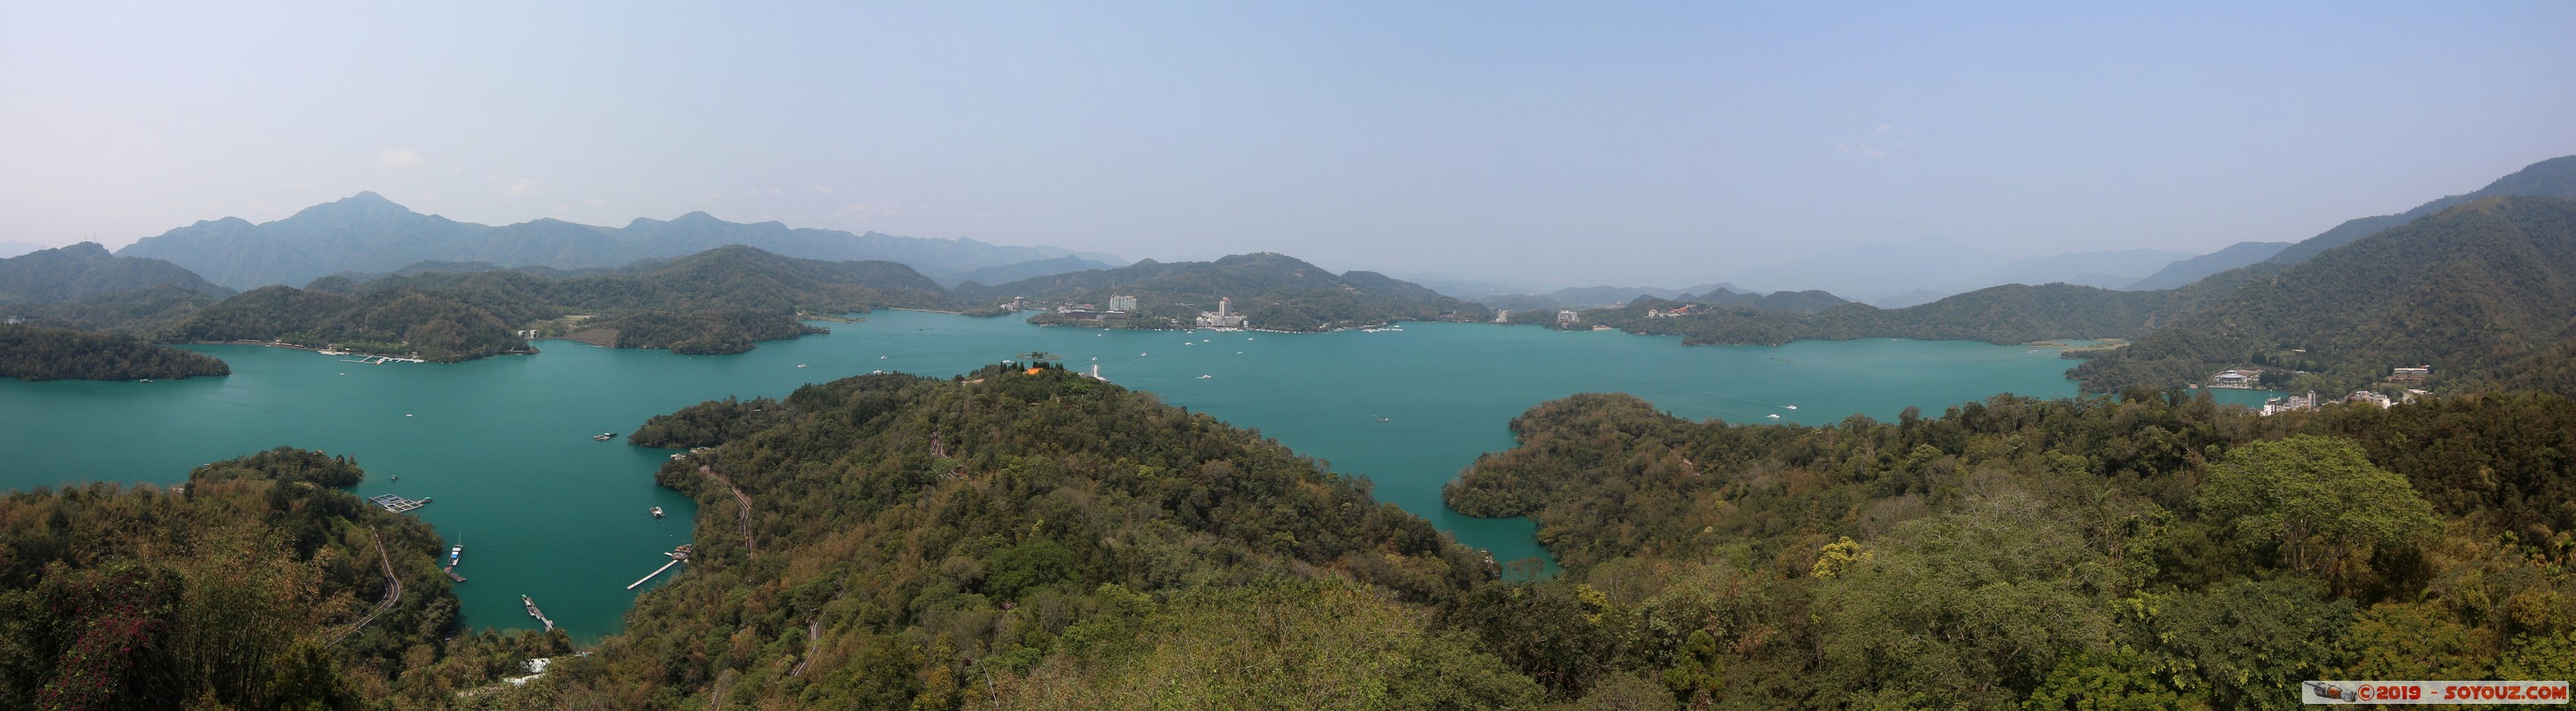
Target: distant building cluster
pixel 1222 317
pixel 1568 317
pixel 2243 378
pixel 1122 303
pixel 2312 401
pixel 2410 375
pixel 1677 312
pixel 1502 315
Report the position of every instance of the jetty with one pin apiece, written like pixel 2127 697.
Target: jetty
pixel 678 556
pixel 381 360
pixel 536 613
pixel 451 574
pixel 397 504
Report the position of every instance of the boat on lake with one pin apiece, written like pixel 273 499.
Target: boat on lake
pixel 657 512
pixel 604 436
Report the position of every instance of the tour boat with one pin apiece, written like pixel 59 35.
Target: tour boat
pixel 1772 416
pixel 657 512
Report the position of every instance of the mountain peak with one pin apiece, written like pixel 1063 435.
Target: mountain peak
pixel 365 204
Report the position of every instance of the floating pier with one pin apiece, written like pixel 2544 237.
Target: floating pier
pixel 397 504
pixel 380 360
pixel 678 556
pixel 534 612
pixel 451 574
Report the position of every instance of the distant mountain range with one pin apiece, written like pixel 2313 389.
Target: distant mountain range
pixel 2473 290
pixel 12 249
pixel 2186 271
pixel 2555 178
pixel 1904 272
pixel 367 233
pixel 1007 273
pixel 84 270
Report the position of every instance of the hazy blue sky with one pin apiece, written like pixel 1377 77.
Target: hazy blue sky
pixel 1589 141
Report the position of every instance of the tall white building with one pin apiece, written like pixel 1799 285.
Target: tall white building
pixel 1122 303
pixel 1222 317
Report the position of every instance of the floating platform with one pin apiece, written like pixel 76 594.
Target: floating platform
pixel 539 614
pixel 397 504
pixel 451 574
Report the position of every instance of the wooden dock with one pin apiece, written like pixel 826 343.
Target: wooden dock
pixel 397 504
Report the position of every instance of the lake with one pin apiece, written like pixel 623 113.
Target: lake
pixel 503 445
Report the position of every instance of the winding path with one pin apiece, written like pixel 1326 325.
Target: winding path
pixel 393 590
pixel 745 515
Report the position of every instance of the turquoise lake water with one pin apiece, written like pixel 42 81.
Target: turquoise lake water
pixel 503 445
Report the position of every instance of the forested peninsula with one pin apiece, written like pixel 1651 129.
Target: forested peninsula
pixel 2153 550
pixel 36 353
pixel 719 301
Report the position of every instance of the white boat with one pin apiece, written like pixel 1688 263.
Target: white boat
pixel 455 554
pixel 1793 407
pixel 800 365
pixel 1772 416
pixel 1207 377
pixel 657 512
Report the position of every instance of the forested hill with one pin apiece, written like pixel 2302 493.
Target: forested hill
pixel 2474 291
pixel 2151 552
pixel 1275 291
pixel 2553 178
pixel 85 270
pixel 2012 313
pixel 241 589
pixel 33 353
pixel 718 301
pixel 1040 537
pixel 367 233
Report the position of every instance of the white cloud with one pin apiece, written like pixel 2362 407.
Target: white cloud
pixel 821 188
pixel 1863 149
pixel 522 186
pixel 401 158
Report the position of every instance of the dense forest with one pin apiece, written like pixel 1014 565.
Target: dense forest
pixel 2474 291
pixel 1274 291
pixel 34 353
pixel 256 585
pixel 2149 551
pixel 1026 537
pixel 718 301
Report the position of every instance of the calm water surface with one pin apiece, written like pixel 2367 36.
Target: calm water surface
pixel 503 444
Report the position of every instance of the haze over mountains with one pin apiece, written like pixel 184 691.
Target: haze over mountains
pixel 370 234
